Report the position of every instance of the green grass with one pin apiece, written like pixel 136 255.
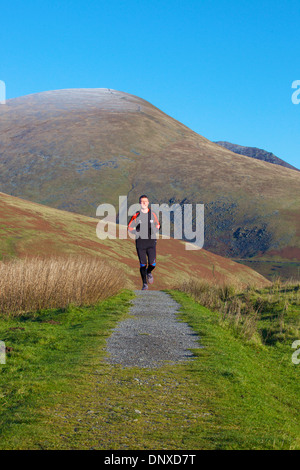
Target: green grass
pixel 256 386
pixel 57 392
pixel 52 351
pixel 278 308
pixel 267 315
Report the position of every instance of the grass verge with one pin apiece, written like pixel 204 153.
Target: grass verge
pixel 268 315
pixel 51 354
pixel 255 387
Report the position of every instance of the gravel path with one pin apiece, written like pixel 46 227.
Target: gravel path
pixel 153 336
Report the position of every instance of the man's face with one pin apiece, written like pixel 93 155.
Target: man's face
pixel 144 203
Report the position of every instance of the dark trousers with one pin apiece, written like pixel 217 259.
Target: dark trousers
pixel 146 251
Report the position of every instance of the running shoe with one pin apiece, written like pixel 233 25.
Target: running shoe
pixel 150 278
pixel 145 286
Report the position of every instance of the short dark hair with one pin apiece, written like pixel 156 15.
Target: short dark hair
pixel 143 195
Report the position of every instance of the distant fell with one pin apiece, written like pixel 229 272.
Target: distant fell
pixel 255 152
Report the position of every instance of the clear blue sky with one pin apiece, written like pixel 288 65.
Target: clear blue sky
pixel 223 68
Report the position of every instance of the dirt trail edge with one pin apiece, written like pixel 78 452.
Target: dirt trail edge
pixel 153 335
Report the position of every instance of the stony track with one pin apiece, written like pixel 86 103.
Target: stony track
pixel 153 335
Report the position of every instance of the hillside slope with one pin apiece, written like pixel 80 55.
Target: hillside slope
pixel 30 229
pixel 74 149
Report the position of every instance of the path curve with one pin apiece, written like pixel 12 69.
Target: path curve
pixel 153 336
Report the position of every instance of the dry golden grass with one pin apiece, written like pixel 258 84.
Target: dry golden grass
pixel 209 294
pixel 29 285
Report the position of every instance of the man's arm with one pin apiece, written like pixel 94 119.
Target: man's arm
pixel 156 224
pixel 132 223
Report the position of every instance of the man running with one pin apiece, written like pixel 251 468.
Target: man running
pixel 144 224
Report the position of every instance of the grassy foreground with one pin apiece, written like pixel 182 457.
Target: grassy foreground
pixel 57 392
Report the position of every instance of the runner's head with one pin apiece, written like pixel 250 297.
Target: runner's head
pixel 144 202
